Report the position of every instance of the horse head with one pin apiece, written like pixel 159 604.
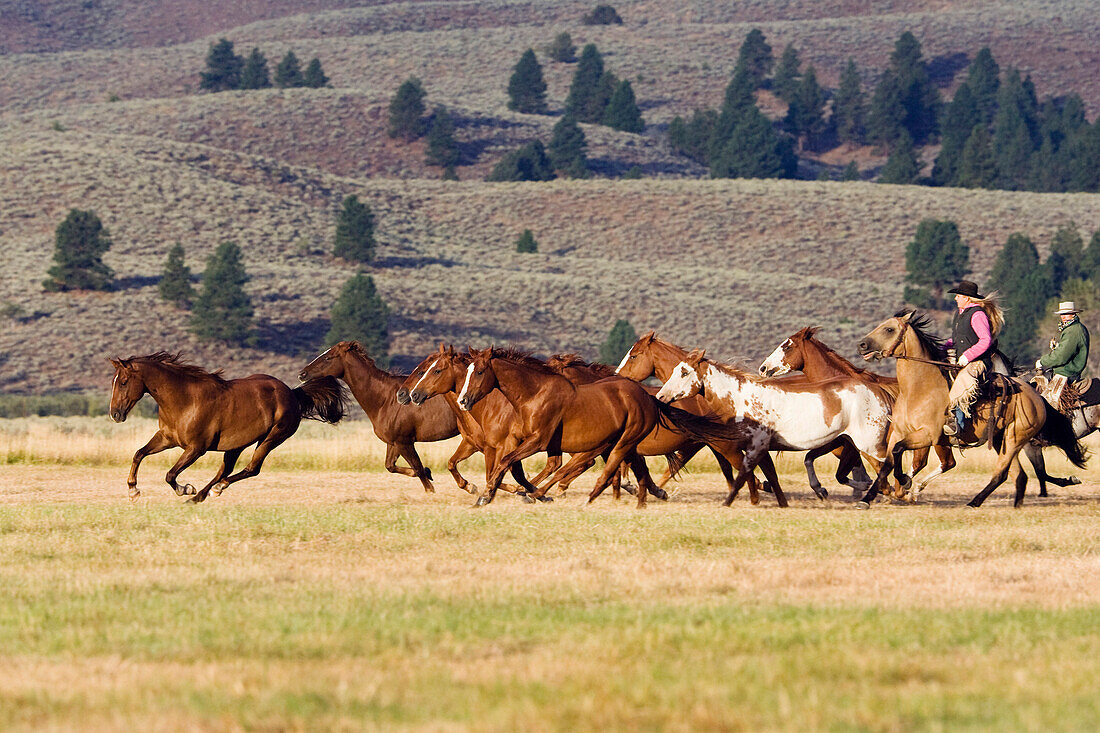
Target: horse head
pixel 887 339
pixel 431 377
pixel 638 363
pixel 127 388
pixel 330 363
pixel 789 355
pixel 686 379
pixel 480 378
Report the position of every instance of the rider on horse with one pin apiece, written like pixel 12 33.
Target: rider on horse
pixel 1069 352
pixel 974 331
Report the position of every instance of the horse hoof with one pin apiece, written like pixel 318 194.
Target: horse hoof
pixel 472 489
pixel 481 501
pixel 630 489
pixel 546 499
pixel 863 505
pixel 1072 481
pixel 526 498
pixel 134 494
pixel 219 488
pixel 661 494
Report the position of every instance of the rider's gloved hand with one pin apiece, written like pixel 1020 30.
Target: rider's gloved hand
pixel 1038 363
pixel 963 361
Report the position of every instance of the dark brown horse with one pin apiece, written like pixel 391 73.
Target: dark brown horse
pixel 399 426
pixel 202 411
pixel 484 427
pixel 804 353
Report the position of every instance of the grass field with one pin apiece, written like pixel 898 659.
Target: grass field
pixel 316 596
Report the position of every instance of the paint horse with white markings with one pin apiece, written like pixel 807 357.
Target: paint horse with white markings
pixel 801 414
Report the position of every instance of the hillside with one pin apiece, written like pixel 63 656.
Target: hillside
pixel 732 265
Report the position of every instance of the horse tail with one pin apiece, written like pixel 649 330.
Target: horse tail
pixel 1058 431
pixel 676 464
pixel 704 428
pixel 322 399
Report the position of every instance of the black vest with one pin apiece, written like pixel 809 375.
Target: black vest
pixel 963 335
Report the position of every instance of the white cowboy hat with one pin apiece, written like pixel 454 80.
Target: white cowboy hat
pixel 1066 307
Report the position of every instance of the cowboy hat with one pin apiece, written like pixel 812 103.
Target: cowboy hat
pixel 967 288
pixel 1066 307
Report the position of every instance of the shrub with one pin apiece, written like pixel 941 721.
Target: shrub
pixel 526 242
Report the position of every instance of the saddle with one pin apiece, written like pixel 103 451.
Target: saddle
pixel 1065 396
pixel 994 390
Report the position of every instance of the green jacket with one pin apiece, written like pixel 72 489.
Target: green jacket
pixel 1072 352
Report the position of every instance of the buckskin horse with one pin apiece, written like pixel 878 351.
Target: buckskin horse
pixel 201 411
pixel 1008 423
pixel 651 356
pixel 804 353
pixel 398 426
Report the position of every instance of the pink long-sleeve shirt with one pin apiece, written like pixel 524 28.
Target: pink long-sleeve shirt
pixel 980 324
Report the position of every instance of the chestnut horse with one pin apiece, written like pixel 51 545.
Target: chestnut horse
pixel 676 446
pixel 804 353
pixel 653 357
pixel 202 411
pixel 398 426
pixel 484 428
pixel 920 410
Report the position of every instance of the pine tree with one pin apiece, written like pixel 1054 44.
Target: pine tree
pixel 919 98
pixel 602 15
pixel 223 67
pixel 622 111
pixel 619 341
pixel 1024 287
pixel 289 72
pixel 959 119
pixel 977 167
pixel 254 74
pixel 806 113
pixel 738 102
pixel 583 99
pixel 175 281
pixel 1014 262
pixel 407 111
pixel 886 113
pixel 441 150
pixel 360 314
pixel 526 242
pixel 755 57
pixel 79 244
pixel 223 310
pixel 354 238
pixel 529 163
pixel 903 165
pixel 851 172
pixel 755 150
pixel 693 138
pixel 561 49
pixel 526 87
pixel 567 148
pixel 787 74
pixel 1090 260
pixel 314 76
pixel 848 106
pixel 1084 156
pixel 983 79
pixel 1015 130
pixel 936 257
pixel 1066 252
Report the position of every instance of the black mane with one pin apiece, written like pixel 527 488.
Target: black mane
pixel 921 323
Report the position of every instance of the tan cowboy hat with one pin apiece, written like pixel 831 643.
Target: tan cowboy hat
pixel 1066 307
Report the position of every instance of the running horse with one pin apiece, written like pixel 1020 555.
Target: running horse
pixel 804 353
pixel 202 411
pixel 396 425
pixel 1009 424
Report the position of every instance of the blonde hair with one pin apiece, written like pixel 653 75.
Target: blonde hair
pixel 993 311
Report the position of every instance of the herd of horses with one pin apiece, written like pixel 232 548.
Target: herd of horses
pixel 509 406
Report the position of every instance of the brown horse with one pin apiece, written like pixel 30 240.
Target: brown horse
pixel 398 426
pixel 804 353
pixel 653 357
pixel 918 415
pixel 666 440
pixel 484 427
pixel 202 411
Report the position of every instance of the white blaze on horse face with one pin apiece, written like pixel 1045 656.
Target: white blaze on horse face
pixel 623 362
pixel 682 383
pixel 426 373
pixel 774 365
pixel 465 386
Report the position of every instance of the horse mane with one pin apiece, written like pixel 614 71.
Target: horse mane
pixel 829 350
pixel 921 323
pixel 566 360
pixel 522 358
pixel 173 363
pixel 356 348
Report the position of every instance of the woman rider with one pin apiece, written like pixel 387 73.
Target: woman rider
pixel 974 331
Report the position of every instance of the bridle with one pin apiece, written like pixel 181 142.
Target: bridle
pixel 882 353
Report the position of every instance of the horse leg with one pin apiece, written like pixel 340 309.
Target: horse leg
pixel 270 442
pixel 526 448
pixel 768 468
pixel 156 444
pixel 849 469
pixel 682 457
pixel 736 460
pixel 623 450
pixel 947 462
pixel 190 455
pixel 464 450
pixel 1034 454
pixel 395 451
pixel 999 475
pixel 808 462
pixel 553 463
pixel 578 464
pixel 645 480
pixel 229 460
pixel 408 452
pixel 1020 479
pixel 893 456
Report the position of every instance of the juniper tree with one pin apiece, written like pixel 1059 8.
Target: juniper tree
pixel 254 74
pixel 562 49
pixel 407 111
pixel 360 314
pixel 585 100
pixel 849 106
pixel 223 67
pixel 787 73
pixel 618 342
pixel 1024 288
pixel 80 242
pixel 526 242
pixel 441 150
pixel 622 111
pixel 755 57
pixel 567 148
pixel 314 76
pixel 526 87
pixel 175 281
pixel 354 238
pixel 851 172
pixel 289 72
pixel 223 310
pixel 1090 260
pixel 529 163
pixel 602 15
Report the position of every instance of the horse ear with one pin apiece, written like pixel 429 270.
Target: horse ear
pixel 905 317
pixel 648 336
pixel 812 330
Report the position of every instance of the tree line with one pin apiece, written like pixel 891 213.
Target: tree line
pixel 225 70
